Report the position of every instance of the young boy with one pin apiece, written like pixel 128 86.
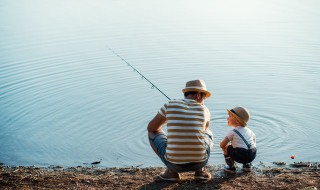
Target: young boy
pixel 243 141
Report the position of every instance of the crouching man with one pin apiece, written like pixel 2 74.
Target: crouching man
pixel 187 143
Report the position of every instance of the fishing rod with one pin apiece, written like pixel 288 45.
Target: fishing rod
pixel 142 76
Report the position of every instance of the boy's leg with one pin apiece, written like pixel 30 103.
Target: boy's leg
pixel 251 156
pixel 247 167
pixel 229 156
pixel 229 160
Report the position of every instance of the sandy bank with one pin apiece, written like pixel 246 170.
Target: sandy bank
pixel 280 176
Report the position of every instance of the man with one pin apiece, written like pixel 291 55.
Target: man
pixel 189 141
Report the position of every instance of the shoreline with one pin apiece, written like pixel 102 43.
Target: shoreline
pixel 302 175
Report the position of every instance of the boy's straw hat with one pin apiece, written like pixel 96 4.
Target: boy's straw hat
pixel 198 86
pixel 241 114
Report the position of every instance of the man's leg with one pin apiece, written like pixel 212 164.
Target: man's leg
pixel 158 142
pixel 151 137
pixel 201 173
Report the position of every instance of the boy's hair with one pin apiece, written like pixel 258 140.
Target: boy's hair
pixel 237 121
pixel 241 114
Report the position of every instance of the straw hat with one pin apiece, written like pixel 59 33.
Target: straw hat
pixel 198 86
pixel 241 114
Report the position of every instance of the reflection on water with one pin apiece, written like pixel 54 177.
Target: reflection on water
pixel 66 99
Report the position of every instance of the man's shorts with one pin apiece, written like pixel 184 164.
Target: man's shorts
pixel 242 155
pixel 159 143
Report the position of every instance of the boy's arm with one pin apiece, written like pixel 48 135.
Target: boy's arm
pixel 224 142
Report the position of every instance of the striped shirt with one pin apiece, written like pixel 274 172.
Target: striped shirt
pixel 186 120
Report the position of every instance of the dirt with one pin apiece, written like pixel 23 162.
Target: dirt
pixel 304 176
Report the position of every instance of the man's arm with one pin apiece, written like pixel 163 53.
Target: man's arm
pixel 207 125
pixel 155 125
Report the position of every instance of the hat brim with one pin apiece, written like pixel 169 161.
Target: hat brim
pixel 208 94
pixel 237 118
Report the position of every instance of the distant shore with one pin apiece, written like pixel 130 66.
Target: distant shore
pixel 302 175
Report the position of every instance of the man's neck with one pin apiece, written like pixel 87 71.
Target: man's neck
pixel 195 99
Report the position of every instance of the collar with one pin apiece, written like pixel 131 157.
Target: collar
pixel 189 100
pixel 239 127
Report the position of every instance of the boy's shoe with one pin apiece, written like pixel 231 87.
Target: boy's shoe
pixel 201 174
pixel 229 169
pixel 169 175
pixel 247 167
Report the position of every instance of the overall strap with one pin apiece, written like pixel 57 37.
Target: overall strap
pixel 244 140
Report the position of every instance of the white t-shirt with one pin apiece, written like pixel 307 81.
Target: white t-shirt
pixel 236 140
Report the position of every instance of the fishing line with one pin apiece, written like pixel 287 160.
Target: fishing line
pixel 142 76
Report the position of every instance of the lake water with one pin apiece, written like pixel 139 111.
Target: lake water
pixel 66 99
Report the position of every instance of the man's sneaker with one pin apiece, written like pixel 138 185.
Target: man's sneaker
pixel 247 167
pixel 169 175
pixel 202 175
pixel 229 169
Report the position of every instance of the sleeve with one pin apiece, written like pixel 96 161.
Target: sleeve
pixel 230 135
pixel 163 110
pixel 254 139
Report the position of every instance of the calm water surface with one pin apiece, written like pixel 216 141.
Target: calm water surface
pixel 66 99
